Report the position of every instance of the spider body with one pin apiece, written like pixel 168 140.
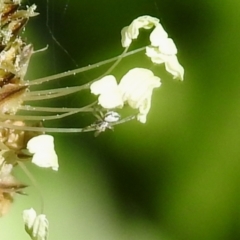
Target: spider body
pixel 105 122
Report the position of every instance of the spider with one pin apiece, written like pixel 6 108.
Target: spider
pixel 105 121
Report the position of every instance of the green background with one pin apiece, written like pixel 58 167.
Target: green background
pixel 175 177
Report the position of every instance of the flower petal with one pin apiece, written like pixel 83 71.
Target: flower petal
pixel 167 47
pixel 157 34
pixel 171 62
pixel 132 31
pixel 125 39
pixel 40 227
pixel 174 67
pixel 111 99
pixel 155 55
pixel 137 86
pixel 109 94
pixel 136 82
pixel 29 215
pixel 103 85
pixel 144 108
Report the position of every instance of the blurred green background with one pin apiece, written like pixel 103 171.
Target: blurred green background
pixel 175 177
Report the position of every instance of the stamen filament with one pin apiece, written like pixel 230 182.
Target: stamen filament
pixel 113 66
pixel 35 118
pixel 61 130
pixel 83 69
pixel 52 93
pixel 56 109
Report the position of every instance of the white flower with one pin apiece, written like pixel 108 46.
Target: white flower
pixel 132 31
pixel 135 89
pixel 43 149
pixel 35 226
